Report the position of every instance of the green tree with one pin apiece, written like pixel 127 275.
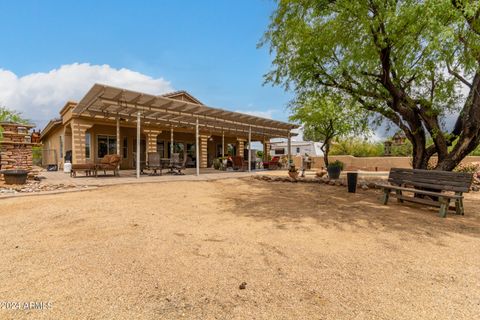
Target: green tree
pixel 325 118
pixel 7 115
pixel 405 60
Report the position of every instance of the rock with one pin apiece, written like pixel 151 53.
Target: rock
pixel 320 173
pixel 331 182
pixel 365 187
pixel 338 183
pixel 475 188
pixel 242 286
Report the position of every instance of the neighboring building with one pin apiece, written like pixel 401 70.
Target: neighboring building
pixel 310 148
pixel 105 122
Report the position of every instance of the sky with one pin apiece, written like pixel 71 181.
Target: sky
pixel 54 51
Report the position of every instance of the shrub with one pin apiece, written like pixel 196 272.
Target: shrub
pixel 336 164
pixel 357 148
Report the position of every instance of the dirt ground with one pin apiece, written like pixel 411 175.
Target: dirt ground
pixel 178 250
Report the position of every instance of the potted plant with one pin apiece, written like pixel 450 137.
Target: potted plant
pixel 334 169
pixel 293 172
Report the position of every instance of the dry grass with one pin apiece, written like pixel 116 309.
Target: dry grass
pixel 181 249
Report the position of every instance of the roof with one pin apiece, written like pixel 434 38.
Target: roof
pixel 292 143
pixel 50 126
pixel 182 95
pixel 109 102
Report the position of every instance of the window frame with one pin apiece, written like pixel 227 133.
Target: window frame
pixel 88 145
pixel 109 136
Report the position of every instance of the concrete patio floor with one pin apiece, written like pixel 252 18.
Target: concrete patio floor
pixel 129 176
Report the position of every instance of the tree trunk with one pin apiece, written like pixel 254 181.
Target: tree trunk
pixel 325 149
pixel 469 138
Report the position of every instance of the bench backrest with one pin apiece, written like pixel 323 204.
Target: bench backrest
pixel 432 179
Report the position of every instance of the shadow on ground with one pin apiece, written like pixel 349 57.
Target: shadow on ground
pixel 334 207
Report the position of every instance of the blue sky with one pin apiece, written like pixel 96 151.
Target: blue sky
pixel 208 48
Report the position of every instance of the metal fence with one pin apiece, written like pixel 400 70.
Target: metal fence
pixel 45 157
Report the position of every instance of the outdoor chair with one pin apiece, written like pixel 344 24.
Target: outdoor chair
pixel 154 163
pixel 110 162
pixel 238 163
pixel 190 162
pixel 89 169
pixel 178 165
pixel 272 164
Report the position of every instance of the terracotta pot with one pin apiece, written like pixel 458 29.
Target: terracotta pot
pixel 293 175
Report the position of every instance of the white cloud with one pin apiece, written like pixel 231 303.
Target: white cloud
pixel 40 96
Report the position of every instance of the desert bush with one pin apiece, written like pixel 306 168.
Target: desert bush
pixel 357 148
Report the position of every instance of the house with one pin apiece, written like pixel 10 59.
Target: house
pixel 109 120
pixel 279 148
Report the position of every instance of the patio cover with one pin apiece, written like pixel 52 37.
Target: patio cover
pixel 108 102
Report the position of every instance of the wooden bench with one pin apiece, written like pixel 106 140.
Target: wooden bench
pixel 429 187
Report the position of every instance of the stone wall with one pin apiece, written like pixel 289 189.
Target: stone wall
pixel 16 147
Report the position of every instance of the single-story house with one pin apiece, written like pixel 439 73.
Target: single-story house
pixel 109 120
pixel 297 148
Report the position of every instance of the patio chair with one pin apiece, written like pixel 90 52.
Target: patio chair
pixel 110 162
pixel 89 169
pixel 190 162
pixel 154 163
pixel 272 164
pixel 238 163
pixel 178 165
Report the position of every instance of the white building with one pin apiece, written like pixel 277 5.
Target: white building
pixel 279 148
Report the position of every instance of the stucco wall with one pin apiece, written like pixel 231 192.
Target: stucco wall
pixel 51 147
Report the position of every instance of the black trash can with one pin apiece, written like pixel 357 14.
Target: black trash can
pixel 352 181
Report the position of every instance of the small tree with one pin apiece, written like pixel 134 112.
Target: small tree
pixel 325 118
pixel 7 115
pixel 403 60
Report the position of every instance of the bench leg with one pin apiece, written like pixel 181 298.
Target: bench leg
pixel 399 193
pixel 386 195
pixel 459 204
pixel 459 209
pixel 444 205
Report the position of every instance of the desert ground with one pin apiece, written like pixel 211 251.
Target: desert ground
pixel 181 250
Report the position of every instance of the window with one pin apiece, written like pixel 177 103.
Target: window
pixel 61 147
pixel 106 145
pixel 161 148
pixel 298 150
pixel 231 149
pixel 125 148
pixel 87 145
pixel 279 151
pixel 191 150
pixel 178 147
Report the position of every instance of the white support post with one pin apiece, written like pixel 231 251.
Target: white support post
pixel 249 149
pixel 197 149
pixel 138 146
pixel 223 144
pixel 289 150
pixel 118 143
pixel 171 142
